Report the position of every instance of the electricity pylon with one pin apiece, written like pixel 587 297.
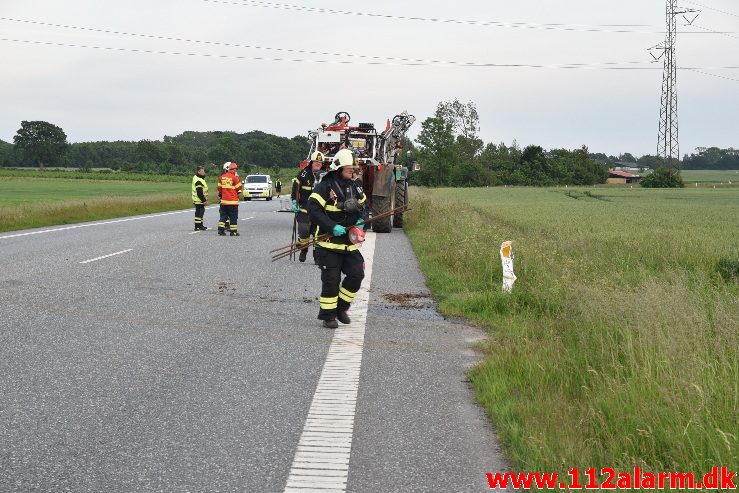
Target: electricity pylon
pixel 668 146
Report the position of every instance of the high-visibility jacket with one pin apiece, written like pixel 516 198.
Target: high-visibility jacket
pixel 199 190
pixel 303 187
pixel 229 186
pixel 326 209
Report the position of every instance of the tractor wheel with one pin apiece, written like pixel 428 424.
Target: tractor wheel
pixel 381 205
pixel 401 199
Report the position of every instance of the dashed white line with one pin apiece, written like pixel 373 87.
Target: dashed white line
pixel 106 256
pixel 321 461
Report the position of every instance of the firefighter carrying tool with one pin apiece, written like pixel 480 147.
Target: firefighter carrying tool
pixel 199 197
pixel 302 188
pixel 337 205
pixel 229 186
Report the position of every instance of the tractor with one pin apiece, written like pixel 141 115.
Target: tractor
pixel 385 183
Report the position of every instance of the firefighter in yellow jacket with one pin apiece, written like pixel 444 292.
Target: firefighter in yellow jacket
pixel 199 197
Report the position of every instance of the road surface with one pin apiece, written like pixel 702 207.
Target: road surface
pixel 136 355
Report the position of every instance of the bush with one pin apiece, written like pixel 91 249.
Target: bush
pixel 663 178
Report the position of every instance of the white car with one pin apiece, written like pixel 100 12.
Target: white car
pixel 258 187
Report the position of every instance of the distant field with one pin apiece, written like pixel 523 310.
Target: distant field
pixel 690 177
pixel 619 345
pixel 30 202
pixel 67 174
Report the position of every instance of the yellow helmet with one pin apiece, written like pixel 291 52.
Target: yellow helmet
pixel 317 156
pixel 343 158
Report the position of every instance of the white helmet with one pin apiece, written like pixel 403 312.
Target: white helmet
pixel 226 166
pixel 317 156
pixel 343 158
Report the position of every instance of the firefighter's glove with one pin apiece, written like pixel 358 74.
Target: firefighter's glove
pixel 295 206
pixel 339 230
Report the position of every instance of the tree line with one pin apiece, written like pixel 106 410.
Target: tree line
pixel 448 148
pixel 41 144
pixel 452 154
pixel 712 158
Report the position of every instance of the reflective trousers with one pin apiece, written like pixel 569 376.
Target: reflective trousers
pixel 337 295
pixel 229 213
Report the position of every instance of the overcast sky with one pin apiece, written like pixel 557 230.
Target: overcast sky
pixel 96 94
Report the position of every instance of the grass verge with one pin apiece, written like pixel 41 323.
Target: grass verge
pixel 36 215
pixel 619 345
pixel 92 175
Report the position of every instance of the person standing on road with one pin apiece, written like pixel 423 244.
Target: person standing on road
pixel 336 205
pixel 199 197
pixel 227 222
pixel 302 188
pixel 278 187
pixel 229 186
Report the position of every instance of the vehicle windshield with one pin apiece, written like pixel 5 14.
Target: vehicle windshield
pixel 256 179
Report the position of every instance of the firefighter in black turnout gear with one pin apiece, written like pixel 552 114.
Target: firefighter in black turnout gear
pixel 302 188
pixel 336 205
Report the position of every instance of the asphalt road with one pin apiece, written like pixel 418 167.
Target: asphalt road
pixel 188 362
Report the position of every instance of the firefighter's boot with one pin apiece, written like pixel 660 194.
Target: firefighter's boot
pixel 343 317
pixel 331 324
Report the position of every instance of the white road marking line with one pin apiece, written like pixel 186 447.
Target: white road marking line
pixel 89 225
pixel 106 256
pixel 321 461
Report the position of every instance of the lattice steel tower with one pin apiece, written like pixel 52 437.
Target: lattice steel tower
pixel 668 146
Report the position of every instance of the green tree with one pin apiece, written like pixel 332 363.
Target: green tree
pixel 41 142
pixel 652 162
pixel 6 153
pixel 662 178
pixel 463 117
pixel 437 152
pixel 627 157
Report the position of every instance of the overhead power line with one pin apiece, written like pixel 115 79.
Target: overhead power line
pixel 730 35
pixel 711 8
pixel 373 58
pixel 520 25
pixel 596 28
pixel 267 48
pixel 712 75
pixel 572 66
pixel 603 65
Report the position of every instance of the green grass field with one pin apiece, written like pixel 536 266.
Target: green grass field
pixel 691 177
pixel 619 345
pixel 29 201
pixel 72 174
pixel 32 198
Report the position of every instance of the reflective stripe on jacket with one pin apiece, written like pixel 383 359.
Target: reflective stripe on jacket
pixel 302 187
pixel 229 186
pixel 325 208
